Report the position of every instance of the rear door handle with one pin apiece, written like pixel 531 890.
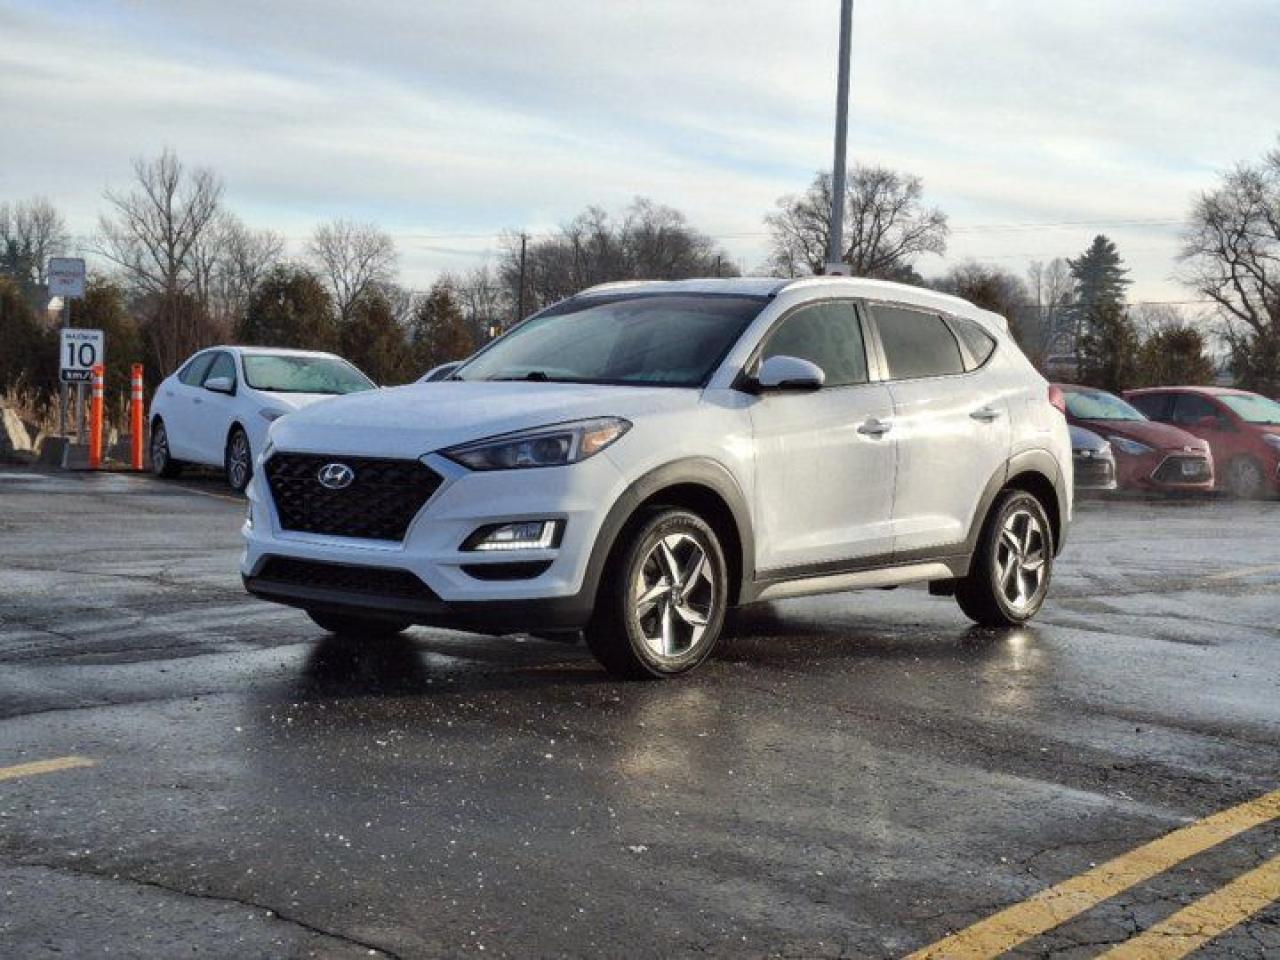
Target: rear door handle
pixel 875 428
pixel 986 414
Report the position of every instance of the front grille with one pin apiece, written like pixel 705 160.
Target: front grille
pixel 379 504
pixel 371 581
pixel 1170 471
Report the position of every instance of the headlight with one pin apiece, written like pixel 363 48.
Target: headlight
pixel 271 414
pixel 551 446
pixel 1132 447
pixel 1272 438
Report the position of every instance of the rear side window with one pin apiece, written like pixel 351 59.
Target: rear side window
pixel 977 341
pixel 1154 405
pixel 193 373
pixel 827 334
pixel 223 366
pixel 916 344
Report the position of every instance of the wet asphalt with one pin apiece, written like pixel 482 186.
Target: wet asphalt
pixel 854 775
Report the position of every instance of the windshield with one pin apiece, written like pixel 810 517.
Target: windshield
pixel 1252 408
pixel 1099 406
pixel 664 340
pixel 283 373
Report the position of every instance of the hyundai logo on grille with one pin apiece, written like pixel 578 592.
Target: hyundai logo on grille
pixel 336 476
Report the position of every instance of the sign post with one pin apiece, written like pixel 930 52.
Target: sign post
pixel 66 280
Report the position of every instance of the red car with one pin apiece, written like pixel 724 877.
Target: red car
pixel 1149 455
pixel 1242 428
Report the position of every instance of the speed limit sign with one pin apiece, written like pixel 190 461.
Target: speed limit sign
pixel 81 351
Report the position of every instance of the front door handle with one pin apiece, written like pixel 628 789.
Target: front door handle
pixel 986 414
pixel 875 428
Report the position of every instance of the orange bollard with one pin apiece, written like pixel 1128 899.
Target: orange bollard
pixel 135 417
pixel 95 420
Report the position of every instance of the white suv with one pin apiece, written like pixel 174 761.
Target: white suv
pixel 640 458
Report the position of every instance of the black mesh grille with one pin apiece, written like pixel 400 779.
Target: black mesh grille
pixel 1171 470
pixel 372 581
pixel 379 504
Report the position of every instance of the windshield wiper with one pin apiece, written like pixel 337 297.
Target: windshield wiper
pixel 539 376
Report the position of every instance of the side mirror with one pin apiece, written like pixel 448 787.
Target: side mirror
pixel 221 385
pixel 790 373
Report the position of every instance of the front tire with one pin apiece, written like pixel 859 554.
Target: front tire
pixel 357 627
pixel 162 462
pixel 237 460
pixel 1010 571
pixel 1245 478
pixel 662 603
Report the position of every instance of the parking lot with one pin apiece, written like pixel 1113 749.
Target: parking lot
pixel 187 771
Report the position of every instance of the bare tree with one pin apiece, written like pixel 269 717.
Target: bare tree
pixel 31 231
pixel 351 257
pixel 646 241
pixel 1047 320
pixel 152 234
pixel 887 226
pixel 230 261
pixel 1231 255
pixel 484 300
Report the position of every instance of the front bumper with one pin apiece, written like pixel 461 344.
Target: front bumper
pixel 1162 470
pixel 488 591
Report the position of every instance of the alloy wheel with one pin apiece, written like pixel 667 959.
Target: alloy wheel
pixel 159 448
pixel 239 461
pixel 1020 557
pixel 674 595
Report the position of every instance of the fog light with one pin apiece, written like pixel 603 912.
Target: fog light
pixel 519 535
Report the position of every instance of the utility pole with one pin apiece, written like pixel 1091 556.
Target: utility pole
pixel 835 241
pixel 524 240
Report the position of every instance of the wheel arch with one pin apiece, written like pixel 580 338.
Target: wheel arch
pixel 700 485
pixel 1037 472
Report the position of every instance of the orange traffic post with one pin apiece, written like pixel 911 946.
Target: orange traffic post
pixel 135 418
pixel 95 420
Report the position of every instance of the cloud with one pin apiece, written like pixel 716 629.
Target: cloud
pixel 445 120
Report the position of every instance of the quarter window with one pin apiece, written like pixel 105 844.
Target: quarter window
pixel 916 344
pixel 977 341
pixel 827 334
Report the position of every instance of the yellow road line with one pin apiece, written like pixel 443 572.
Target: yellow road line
pixel 1244 572
pixel 1213 915
pixel 1056 905
pixel 44 766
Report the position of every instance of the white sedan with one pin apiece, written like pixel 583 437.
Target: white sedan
pixel 215 410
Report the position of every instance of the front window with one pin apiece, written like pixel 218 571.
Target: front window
pixel 283 373
pixel 1099 406
pixel 674 340
pixel 1252 408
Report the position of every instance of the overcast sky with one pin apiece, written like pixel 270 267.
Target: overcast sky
pixel 1034 123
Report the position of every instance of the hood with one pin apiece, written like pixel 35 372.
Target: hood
pixel 424 417
pixel 294 401
pixel 1161 436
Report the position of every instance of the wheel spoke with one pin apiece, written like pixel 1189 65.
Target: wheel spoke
pixel 646 600
pixel 696 570
pixel 689 615
pixel 667 557
pixel 1007 572
pixel 668 629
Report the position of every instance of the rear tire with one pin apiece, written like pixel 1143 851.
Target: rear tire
pixel 357 627
pixel 1010 571
pixel 237 460
pixel 662 602
pixel 162 462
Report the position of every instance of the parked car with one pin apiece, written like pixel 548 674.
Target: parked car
pixel 1149 456
pixel 639 458
pixel 215 410
pixel 1094 463
pixel 1242 429
pixel 441 372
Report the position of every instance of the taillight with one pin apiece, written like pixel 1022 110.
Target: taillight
pixel 1058 399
